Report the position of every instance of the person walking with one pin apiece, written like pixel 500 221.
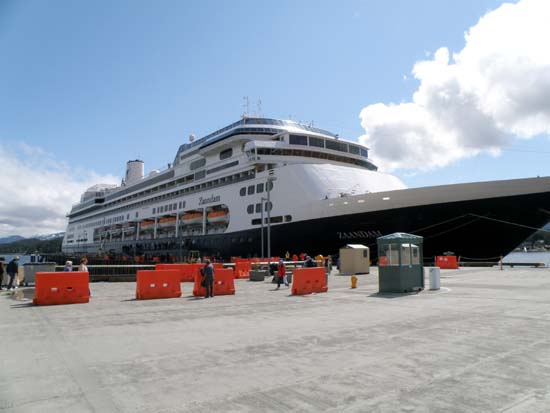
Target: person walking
pixel 68 266
pixel 309 262
pixel 1 272
pixel 281 274
pixel 12 270
pixel 83 265
pixel 208 278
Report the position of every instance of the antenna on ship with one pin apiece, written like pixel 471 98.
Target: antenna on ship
pixel 246 107
pixel 259 108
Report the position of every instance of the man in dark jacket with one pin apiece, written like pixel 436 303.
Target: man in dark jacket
pixel 309 262
pixel 12 270
pixel 208 278
pixel 1 272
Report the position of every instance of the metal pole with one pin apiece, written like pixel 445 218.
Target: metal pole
pixel 262 227
pixel 268 226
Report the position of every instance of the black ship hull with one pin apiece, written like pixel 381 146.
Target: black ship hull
pixel 481 229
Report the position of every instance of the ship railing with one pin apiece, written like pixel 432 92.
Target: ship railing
pixel 113 272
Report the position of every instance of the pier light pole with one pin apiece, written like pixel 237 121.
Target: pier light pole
pixel 262 200
pixel 270 180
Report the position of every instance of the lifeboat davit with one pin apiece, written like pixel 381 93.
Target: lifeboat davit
pixel 167 222
pixel 190 218
pixel 218 216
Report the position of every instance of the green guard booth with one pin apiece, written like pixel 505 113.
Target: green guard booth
pixel 400 263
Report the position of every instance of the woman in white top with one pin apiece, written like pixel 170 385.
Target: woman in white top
pixel 82 267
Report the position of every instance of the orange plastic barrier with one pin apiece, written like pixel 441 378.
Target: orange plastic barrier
pixel 218 265
pixel 447 262
pixel 309 280
pixel 187 271
pixel 152 284
pixel 224 283
pixel 242 269
pixel 61 288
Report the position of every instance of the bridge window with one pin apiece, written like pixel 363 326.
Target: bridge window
pixel 242 191
pixel 251 190
pixel 337 146
pixel 318 142
pixel 354 149
pixel 297 140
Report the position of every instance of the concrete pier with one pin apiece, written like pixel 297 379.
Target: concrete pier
pixel 481 343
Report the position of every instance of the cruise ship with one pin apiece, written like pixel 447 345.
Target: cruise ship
pixel 312 190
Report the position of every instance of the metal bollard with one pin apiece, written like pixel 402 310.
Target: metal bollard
pixel 435 278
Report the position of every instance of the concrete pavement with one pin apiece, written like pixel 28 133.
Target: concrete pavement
pixel 482 343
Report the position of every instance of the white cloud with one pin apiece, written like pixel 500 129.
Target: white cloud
pixel 36 190
pixel 496 88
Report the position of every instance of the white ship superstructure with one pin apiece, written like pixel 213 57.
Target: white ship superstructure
pixel 218 185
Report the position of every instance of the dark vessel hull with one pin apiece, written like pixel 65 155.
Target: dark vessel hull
pixel 481 229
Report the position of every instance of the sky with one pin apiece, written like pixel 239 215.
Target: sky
pixel 441 91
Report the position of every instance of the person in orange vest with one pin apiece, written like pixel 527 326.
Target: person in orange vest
pixel 281 274
pixel 302 256
pixel 294 258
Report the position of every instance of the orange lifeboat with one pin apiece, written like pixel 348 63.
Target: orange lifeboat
pixel 167 222
pixel 190 218
pixel 147 225
pixel 218 216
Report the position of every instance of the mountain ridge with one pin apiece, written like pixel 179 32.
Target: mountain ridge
pixel 44 237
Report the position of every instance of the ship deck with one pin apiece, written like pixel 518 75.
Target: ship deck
pixel 481 343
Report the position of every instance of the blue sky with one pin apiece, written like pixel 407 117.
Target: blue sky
pixel 93 84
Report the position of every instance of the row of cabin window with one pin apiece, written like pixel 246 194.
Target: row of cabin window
pixel 226 180
pixel 258 188
pixel 170 207
pixel 250 208
pixel 274 220
pixel 329 144
pixel 318 155
pixel 199 163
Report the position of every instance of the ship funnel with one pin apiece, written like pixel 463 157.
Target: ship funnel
pixel 134 171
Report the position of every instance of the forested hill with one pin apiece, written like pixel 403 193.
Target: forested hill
pixel 32 245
